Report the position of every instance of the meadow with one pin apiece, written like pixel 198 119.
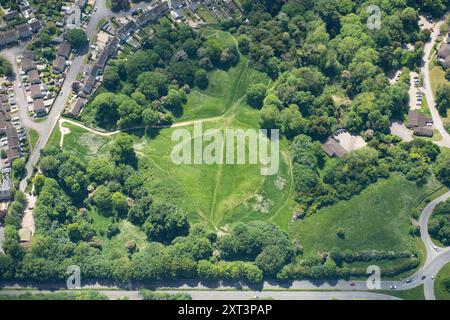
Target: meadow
pixel 378 218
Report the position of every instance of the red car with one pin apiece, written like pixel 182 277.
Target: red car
pixel 352 284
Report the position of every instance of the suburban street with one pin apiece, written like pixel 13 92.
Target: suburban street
pixel 245 295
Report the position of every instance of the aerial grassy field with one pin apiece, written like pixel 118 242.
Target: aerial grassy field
pixel 378 218
pixel 221 194
pixel 440 291
pixel 81 142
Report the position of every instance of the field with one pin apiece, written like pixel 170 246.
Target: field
pixel 437 78
pixel 378 218
pixel 220 194
pixel 439 289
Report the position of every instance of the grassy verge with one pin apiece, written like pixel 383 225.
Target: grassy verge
pixel 416 293
pixel 34 137
pixel 439 286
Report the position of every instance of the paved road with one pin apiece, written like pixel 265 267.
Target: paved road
pixel 242 295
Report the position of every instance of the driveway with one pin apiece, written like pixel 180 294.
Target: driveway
pixel 399 129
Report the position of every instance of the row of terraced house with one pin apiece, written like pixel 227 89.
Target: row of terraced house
pixel 21 32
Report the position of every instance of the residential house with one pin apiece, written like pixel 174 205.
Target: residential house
pixel 423 132
pixel 177 4
pixel 10 16
pixel 153 13
pixel 28 65
pixel 13 151
pixel 35 92
pixel 73 20
pixel 102 59
pixel 39 108
pixel 10 36
pixel 444 54
pixel 29 55
pixel 333 148
pixel 77 107
pixel 24 31
pixel 59 65
pixel 113 46
pixel 35 26
pixel 126 30
pixel 417 120
pixel 88 87
pixel 64 50
pixel 33 77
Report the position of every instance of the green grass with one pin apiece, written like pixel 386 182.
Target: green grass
pixel 84 143
pixel 416 293
pixel 378 218
pixel 228 193
pixel 54 139
pixel 34 137
pixel 437 78
pixel 204 13
pixel 424 109
pixel 439 289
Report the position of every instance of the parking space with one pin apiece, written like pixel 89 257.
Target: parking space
pixel 415 92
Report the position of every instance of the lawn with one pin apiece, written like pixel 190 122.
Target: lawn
pixel 204 13
pixel 437 78
pixel 439 287
pixel 378 218
pixel 80 142
pixel 33 135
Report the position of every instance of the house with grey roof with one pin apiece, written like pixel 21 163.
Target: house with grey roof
pixel 39 107
pixel 10 36
pixel 59 65
pixel 333 148
pixel 10 16
pixel 35 92
pixel 35 26
pixel 24 31
pixel 64 50
pixel 28 64
pixel 33 77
